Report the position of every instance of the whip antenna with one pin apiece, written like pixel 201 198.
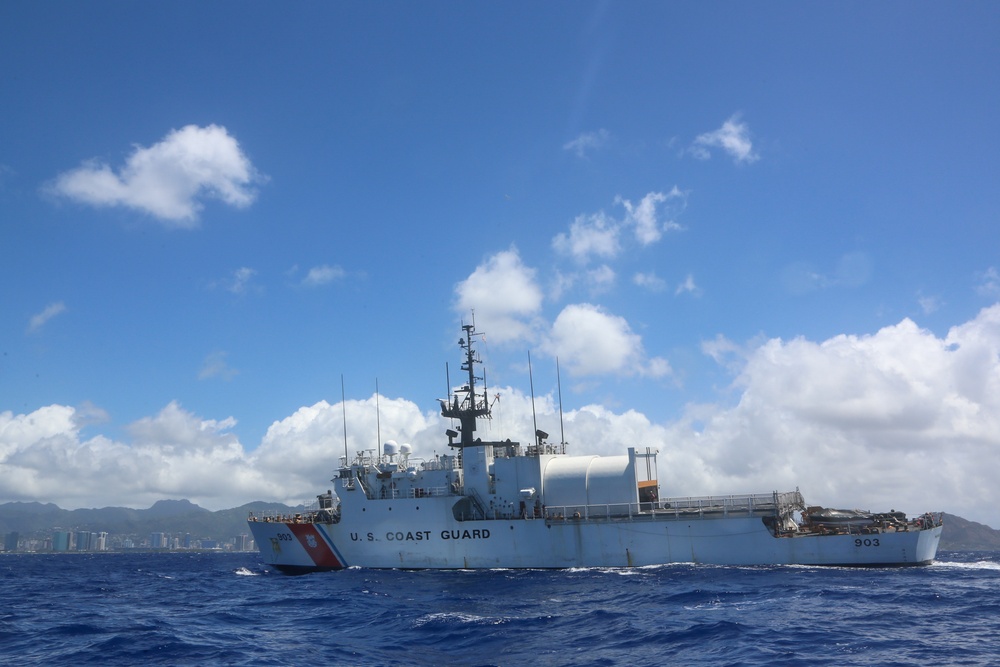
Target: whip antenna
pixel 447 378
pixel 378 421
pixel 562 433
pixel 343 405
pixel 531 383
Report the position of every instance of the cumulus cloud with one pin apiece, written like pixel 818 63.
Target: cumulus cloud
pixel 322 275
pixel 588 141
pixel 504 296
pixel 733 138
pixel 726 353
pixel 897 416
pixel 900 418
pixel 594 342
pixel 594 235
pixel 599 235
pixel 169 179
pixel 644 218
pixel 306 447
pixel 173 454
pixel 50 311
pixel 507 303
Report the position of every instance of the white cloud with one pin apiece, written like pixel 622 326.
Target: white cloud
pixel 302 450
pixel 726 353
pixel 560 284
pixel 239 282
pixel 169 179
pixel 650 281
pixel 688 286
pixel 588 141
pixel 322 275
pixel 600 235
pixel 898 416
pixel 50 311
pixel 504 296
pixel 733 137
pixel 593 342
pixel 929 304
pixel 595 235
pixel 988 283
pixel 601 279
pixel 172 455
pixel 643 216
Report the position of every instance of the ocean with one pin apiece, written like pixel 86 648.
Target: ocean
pixel 230 609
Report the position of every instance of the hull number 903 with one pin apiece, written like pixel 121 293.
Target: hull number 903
pixel 866 542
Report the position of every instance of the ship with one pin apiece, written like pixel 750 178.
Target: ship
pixel 501 504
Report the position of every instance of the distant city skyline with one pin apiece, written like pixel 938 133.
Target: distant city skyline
pixel 65 541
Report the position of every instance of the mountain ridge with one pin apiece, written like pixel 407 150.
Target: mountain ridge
pixel 39 520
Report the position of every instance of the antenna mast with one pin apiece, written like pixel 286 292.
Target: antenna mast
pixel 472 406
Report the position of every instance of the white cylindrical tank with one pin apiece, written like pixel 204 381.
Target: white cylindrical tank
pixel 589 480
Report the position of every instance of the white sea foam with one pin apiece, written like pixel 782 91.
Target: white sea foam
pixel 975 565
pixel 459 618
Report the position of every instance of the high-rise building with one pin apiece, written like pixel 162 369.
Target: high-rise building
pixel 82 540
pixel 60 540
pixel 10 541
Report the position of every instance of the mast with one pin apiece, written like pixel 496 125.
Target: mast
pixel 472 405
pixel 343 407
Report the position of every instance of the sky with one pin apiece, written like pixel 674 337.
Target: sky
pixel 759 238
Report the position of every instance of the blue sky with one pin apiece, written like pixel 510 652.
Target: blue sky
pixel 759 238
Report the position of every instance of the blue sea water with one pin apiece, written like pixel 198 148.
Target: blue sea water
pixel 229 609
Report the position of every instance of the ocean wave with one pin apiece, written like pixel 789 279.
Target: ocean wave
pixel 973 565
pixel 123 610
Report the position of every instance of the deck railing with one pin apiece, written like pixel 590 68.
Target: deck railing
pixel 757 504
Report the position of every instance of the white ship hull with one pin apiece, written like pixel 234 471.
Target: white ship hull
pixel 400 536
